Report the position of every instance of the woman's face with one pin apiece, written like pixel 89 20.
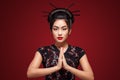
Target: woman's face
pixel 60 30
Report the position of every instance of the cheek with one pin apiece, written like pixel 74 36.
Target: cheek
pixel 66 34
pixel 54 34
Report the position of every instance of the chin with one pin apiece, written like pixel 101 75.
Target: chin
pixel 60 41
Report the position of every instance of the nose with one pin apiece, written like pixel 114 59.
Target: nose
pixel 59 33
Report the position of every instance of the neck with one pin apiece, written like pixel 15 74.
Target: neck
pixel 64 44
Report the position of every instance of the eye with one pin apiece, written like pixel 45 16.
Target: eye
pixel 55 29
pixel 64 28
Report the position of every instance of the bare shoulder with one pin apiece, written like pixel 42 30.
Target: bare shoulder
pixel 84 60
pixel 36 61
pixel 37 55
pixel 85 64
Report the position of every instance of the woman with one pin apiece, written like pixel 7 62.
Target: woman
pixel 60 60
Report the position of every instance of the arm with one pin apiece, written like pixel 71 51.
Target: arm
pixel 85 74
pixel 34 70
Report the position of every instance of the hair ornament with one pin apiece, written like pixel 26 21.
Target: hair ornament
pixel 61 13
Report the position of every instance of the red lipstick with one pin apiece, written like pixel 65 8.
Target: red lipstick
pixel 60 38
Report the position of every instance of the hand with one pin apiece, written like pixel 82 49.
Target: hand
pixel 62 60
pixel 65 65
pixel 59 65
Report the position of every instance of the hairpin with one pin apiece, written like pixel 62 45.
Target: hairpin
pixel 75 12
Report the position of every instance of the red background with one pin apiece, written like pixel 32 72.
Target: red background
pixel 23 29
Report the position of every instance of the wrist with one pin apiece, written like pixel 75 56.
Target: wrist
pixel 57 68
pixel 67 67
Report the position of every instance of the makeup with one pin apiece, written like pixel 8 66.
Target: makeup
pixel 59 38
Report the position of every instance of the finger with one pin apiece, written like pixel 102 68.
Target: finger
pixel 61 52
pixel 63 57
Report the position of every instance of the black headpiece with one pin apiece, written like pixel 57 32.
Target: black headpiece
pixel 62 13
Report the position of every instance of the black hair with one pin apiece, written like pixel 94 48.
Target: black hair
pixel 60 13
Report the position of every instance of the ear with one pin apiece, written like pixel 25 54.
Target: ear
pixel 70 31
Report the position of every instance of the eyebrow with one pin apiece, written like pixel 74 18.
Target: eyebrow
pixel 58 27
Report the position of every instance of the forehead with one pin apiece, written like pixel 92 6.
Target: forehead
pixel 60 23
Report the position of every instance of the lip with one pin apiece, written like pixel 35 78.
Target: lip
pixel 59 38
